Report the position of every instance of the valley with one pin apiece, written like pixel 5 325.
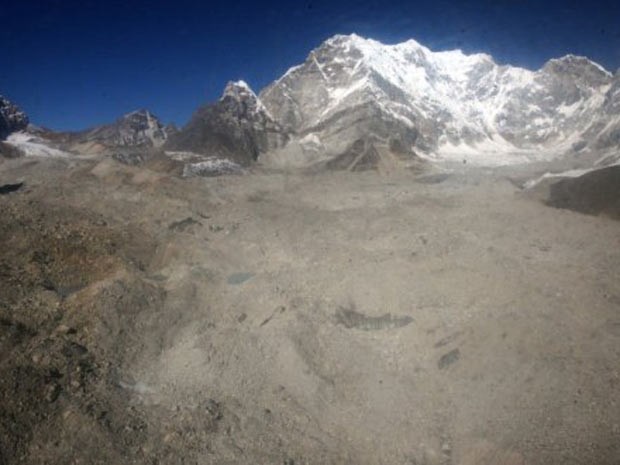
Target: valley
pixel 415 317
pixel 388 255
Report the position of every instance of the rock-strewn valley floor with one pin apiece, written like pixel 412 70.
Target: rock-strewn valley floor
pixel 280 318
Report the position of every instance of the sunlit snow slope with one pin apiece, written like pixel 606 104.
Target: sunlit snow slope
pixel 442 104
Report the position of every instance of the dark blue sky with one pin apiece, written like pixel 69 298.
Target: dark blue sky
pixel 73 64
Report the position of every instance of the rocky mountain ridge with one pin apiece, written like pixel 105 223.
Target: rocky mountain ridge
pixel 440 104
pixel 399 102
pixel 137 128
pixel 237 127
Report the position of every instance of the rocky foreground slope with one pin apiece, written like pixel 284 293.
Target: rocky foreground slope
pixel 279 318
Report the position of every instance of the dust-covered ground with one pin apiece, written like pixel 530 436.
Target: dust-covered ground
pixel 276 318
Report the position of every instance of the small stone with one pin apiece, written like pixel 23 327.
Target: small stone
pixel 53 391
pixel 63 329
pixel 239 278
pixel 449 358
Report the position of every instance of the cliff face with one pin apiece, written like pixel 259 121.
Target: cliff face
pixel 12 119
pixel 237 127
pixel 440 103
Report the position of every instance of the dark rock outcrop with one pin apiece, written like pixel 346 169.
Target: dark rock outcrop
pixel 10 151
pixel 237 127
pixel 362 155
pixel 11 118
pixel 594 193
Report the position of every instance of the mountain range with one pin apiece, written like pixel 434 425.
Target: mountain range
pixel 355 103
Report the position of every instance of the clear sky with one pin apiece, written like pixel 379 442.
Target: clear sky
pixel 74 64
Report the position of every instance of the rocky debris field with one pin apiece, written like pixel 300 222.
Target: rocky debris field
pixel 291 318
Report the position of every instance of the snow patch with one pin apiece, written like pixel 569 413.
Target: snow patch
pixel 311 143
pixel 211 166
pixel 569 110
pixel 32 146
pixel 494 151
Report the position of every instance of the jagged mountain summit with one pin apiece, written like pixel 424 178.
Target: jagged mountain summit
pixel 12 118
pixel 237 127
pixel 356 103
pixel 130 137
pixel 443 104
pixel 138 128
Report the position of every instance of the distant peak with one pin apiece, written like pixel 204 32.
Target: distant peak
pixel 141 116
pixel 575 61
pixel 242 94
pixel 242 84
pixel 238 89
pixel 572 57
pixel 370 46
pixel 354 39
pixel 344 37
pixel 139 112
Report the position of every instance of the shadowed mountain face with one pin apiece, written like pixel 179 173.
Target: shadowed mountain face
pixel 11 118
pixel 237 127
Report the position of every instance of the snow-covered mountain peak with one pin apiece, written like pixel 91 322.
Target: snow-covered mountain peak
pixel 580 69
pixel 457 64
pixel 406 81
pixel 410 52
pixel 239 90
pixel 237 127
pixel 140 113
pixel 437 102
pixel 240 95
pixel 404 96
pixel 370 45
pixel 579 61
